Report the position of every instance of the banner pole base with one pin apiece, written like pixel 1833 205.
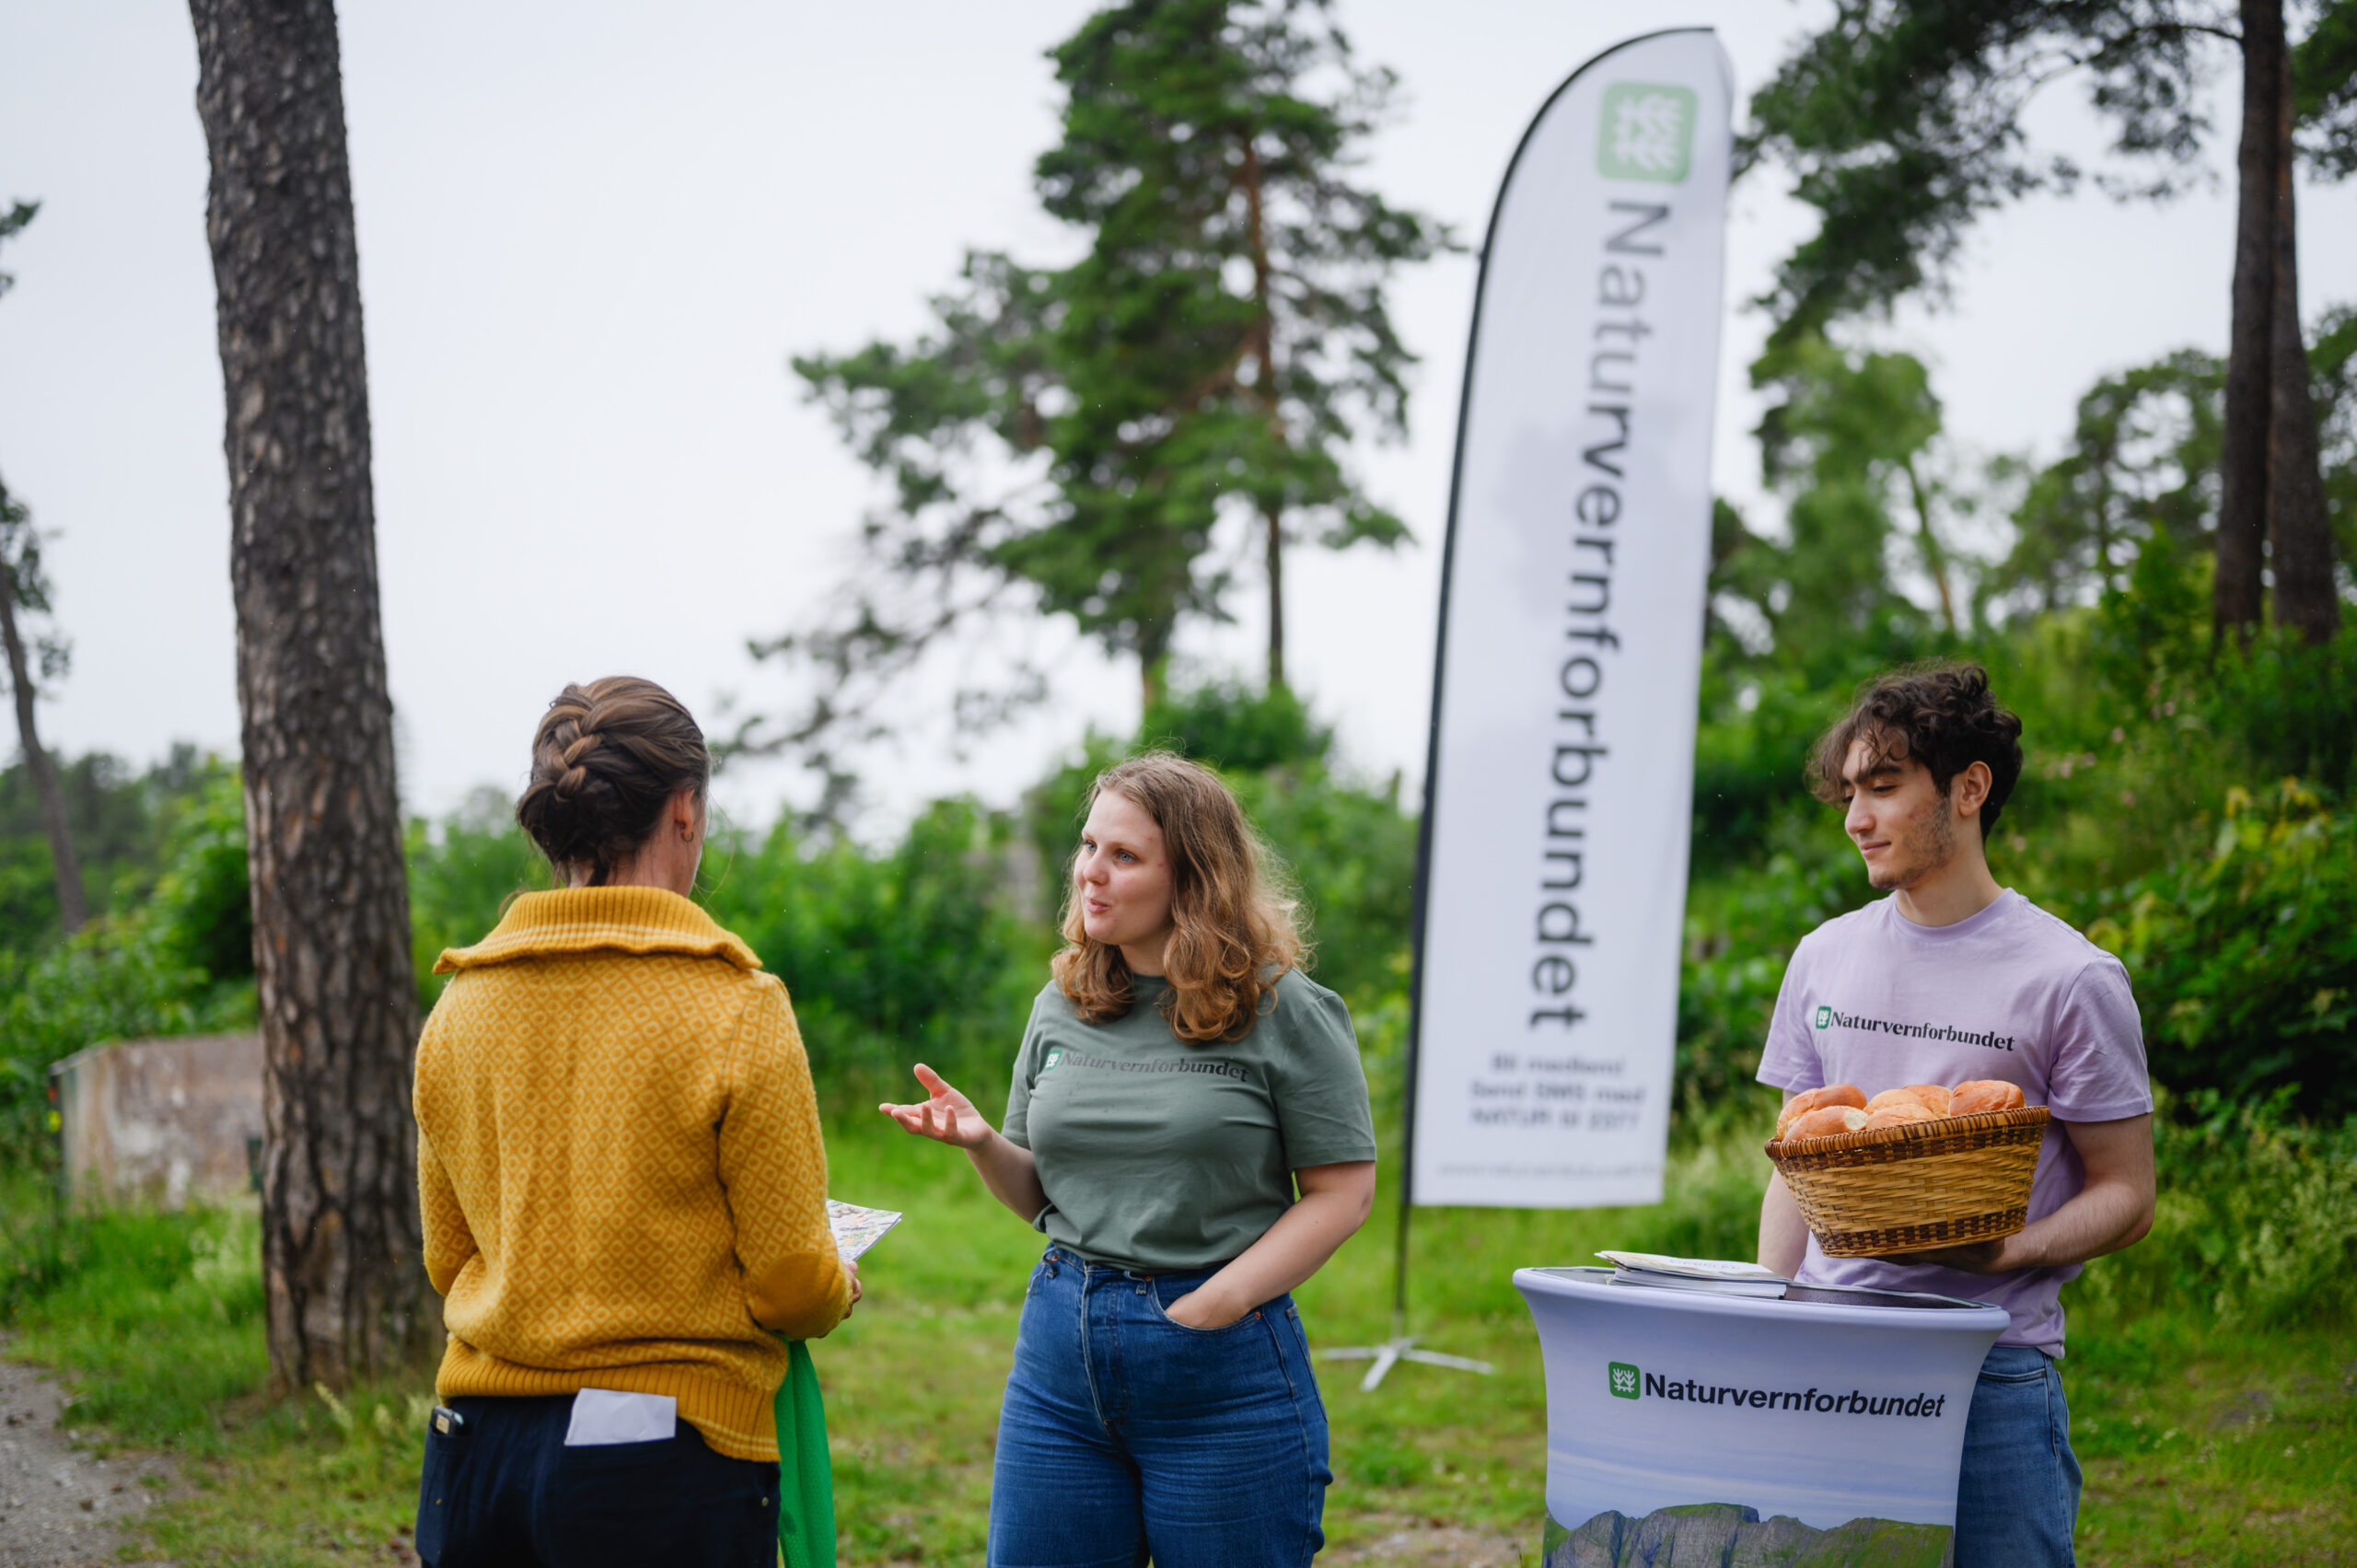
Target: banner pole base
pixel 1396 1349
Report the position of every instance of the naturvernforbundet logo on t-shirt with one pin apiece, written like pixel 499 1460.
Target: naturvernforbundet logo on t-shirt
pixel 1828 1016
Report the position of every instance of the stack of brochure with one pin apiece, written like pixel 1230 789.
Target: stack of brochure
pixel 1716 1276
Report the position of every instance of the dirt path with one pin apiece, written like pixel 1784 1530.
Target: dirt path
pixel 61 1507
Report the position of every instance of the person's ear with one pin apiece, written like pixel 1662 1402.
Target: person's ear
pixel 1969 789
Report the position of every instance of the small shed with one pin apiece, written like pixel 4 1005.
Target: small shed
pixel 160 1121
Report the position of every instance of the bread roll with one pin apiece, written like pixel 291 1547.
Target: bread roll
pixel 1897 1113
pixel 1976 1094
pixel 1801 1104
pixel 1895 1097
pixel 1827 1120
pixel 1933 1096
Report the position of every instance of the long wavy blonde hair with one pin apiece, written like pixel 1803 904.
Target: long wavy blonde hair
pixel 1234 918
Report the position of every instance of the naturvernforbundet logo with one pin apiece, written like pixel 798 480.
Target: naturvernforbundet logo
pixel 1829 1016
pixel 1049 1061
pixel 1626 1382
pixel 1648 132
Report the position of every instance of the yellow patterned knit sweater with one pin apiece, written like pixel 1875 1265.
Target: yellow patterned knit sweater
pixel 619 1164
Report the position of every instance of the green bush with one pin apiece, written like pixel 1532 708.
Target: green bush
pixel 2245 960
pixel 2257 1223
pixel 462 871
pixel 178 962
pixel 907 954
pixel 121 822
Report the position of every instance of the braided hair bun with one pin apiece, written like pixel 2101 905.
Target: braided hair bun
pixel 605 760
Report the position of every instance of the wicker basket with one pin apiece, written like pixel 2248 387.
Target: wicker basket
pixel 1916 1186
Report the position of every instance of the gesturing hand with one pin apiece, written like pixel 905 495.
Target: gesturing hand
pixel 943 1115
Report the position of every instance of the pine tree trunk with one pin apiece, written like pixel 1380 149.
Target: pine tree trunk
pixel 1927 542
pixel 1274 519
pixel 1261 344
pixel 347 1291
pixel 72 910
pixel 2299 528
pixel 2238 596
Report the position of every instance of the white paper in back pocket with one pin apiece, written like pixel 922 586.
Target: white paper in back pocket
pixel 604 1415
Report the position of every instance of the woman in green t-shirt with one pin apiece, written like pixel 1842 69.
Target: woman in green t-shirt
pixel 1189 1126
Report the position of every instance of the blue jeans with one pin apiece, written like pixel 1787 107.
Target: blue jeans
pixel 2017 1501
pixel 505 1492
pixel 1124 1435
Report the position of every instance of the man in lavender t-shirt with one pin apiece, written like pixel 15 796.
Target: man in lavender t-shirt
pixel 1950 978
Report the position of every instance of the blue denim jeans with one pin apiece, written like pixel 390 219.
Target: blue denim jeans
pixel 1124 1435
pixel 2017 1501
pixel 505 1492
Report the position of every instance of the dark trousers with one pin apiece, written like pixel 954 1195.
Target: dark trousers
pixel 505 1492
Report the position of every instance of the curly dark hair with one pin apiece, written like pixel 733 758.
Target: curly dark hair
pixel 1940 714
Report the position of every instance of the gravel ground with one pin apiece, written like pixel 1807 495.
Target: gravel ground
pixel 61 1507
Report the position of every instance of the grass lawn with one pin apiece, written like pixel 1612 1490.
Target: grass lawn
pixel 2201 1446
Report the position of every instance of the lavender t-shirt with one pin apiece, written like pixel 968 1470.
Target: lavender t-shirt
pixel 1875 1000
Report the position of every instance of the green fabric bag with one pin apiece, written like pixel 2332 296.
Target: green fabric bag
pixel 806 1480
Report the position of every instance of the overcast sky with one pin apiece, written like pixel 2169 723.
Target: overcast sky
pixel 591 234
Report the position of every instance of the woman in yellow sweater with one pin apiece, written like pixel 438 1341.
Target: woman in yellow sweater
pixel 623 1183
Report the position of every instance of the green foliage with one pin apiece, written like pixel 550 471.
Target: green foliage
pixel 1354 852
pixel 1068 439
pixel 1741 930
pixel 1903 121
pixel 462 871
pixel 2324 90
pixel 123 824
pixel 12 223
pixel 2250 956
pixel 1227 725
pixel 2143 461
pixel 2256 1224
pixel 201 910
pixel 180 962
pixel 894 957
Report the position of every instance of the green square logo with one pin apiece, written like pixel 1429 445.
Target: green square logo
pixel 1825 1017
pixel 1627 1382
pixel 1648 132
pixel 1048 1064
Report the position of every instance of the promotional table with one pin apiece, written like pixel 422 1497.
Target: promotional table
pixel 1825 1426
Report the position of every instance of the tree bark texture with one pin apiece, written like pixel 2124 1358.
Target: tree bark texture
pixel 2238 596
pixel 72 908
pixel 1262 346
pixel 1273 521
pixel 340 1244
pixel 2299 525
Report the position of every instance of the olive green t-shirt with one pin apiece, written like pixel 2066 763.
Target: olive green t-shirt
pixel 1162 1156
